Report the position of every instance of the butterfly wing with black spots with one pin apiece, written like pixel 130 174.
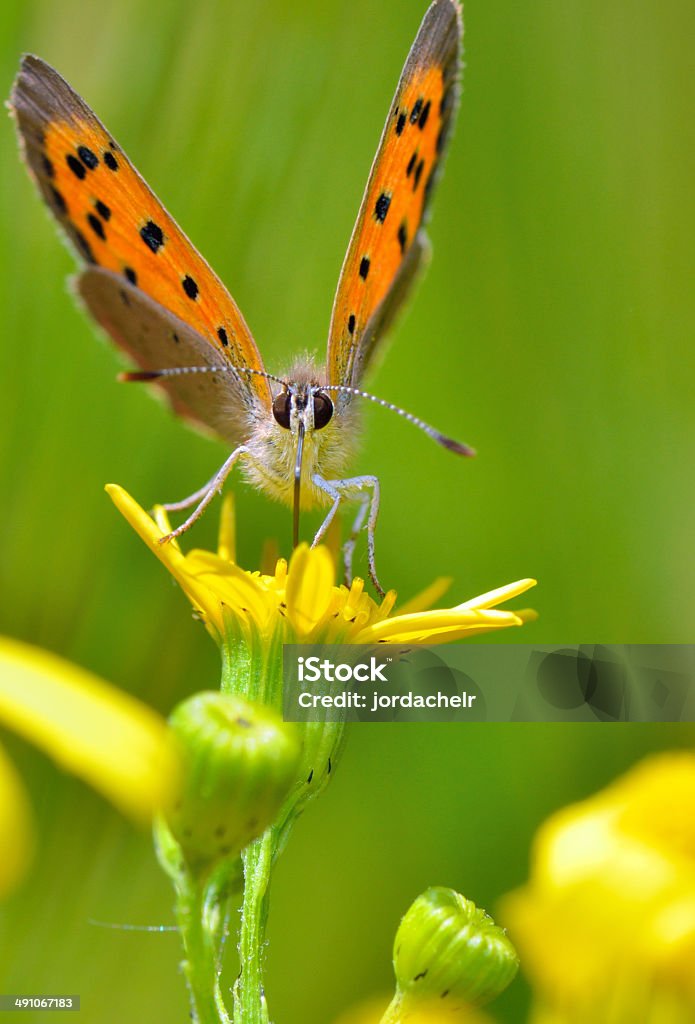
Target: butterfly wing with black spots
pixel 116 222
pixel 388 241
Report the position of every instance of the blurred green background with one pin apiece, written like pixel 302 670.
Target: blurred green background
pixel 554 331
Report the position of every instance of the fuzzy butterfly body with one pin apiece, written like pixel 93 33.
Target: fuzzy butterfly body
pixel 146 284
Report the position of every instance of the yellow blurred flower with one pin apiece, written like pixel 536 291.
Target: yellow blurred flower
pixel 16 827
pixel 109 739
pixel 606 925
pixel 374 1012
pixel 300 601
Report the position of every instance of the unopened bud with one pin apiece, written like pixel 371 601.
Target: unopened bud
pixel 449 950
pixel 239 761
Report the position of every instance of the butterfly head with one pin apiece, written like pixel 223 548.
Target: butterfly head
pixel 302 408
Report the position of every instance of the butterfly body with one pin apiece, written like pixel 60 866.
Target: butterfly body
pixel 147 286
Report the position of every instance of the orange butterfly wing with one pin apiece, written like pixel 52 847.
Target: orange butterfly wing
pixel 388 243
pixel 116 222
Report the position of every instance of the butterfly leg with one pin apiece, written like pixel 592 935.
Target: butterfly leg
pixel 357 526
pixel 179 506
pixel 208 493
pixel 364 489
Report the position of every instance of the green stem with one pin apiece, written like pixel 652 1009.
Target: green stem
pixel 250 1005
pixel 200 966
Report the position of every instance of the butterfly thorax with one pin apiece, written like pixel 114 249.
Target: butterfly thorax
pixel 300 409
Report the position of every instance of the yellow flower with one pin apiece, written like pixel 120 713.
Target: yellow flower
pixel 251 615
pixel 374 1011
pixel 300 601
pixel 607 919
pixel 109 739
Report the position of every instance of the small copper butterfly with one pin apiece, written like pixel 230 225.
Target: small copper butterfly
pixel 154 294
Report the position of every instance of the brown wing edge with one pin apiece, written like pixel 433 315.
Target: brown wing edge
pixel 125 314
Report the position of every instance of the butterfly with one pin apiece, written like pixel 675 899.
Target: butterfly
pixel 147 286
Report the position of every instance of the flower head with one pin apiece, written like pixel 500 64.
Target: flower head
pixel 300 601
pixel 251 615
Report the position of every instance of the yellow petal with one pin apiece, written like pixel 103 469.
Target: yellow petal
pixel 229 584
pixel 495 597
pixel 161 518
pixel 116 744
pixel 226 537
pixel 16 829
pixel 435 626
pixel 310 581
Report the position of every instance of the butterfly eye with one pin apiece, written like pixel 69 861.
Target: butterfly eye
pixel 323 410
pixel 281 409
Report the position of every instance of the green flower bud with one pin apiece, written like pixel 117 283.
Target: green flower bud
pixel 446 949
pixel 239 761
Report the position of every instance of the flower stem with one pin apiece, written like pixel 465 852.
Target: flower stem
pixel 250 1005
pixel 200 965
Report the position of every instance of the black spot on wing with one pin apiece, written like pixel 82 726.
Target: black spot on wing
pixel 131 275
pixel 417 108
pixel 152 235
pixel 402 235
pixel 102 209
pixel 110 161
pixel 48 167
pixel 190 287
pixel 222 335
pixel 400 124
pixel 76 167
pixel 351 323
pixel 424 115
pixel 411 164
pixel 381 207
pixel 88 158
pixel 96 226
pixel 364 267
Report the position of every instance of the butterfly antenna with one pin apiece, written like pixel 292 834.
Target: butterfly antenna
pixel 179 371
pixel 445 442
